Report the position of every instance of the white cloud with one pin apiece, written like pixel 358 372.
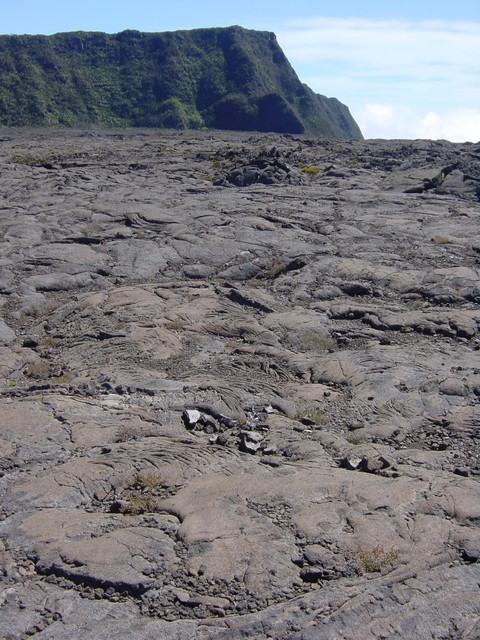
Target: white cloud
pixel 389 121
pixel 386 121
pixel 384 45
pixel 393 74
pixel 383 115
pixel 457 126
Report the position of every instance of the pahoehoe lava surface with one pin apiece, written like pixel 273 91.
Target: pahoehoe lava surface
pixel 240 385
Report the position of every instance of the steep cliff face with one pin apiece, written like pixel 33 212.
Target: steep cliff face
pixel 225 78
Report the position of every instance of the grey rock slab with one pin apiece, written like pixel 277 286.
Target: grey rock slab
pixel 60 281
pixel 198 271
pixel 72 258
pixel 124 559
pixel 139 259
pixel 452 387
pixel 33 432
pixel 7 335
pixel 63 610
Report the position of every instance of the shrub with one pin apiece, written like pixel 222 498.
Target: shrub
pixel 439 240
pixel 173 115
pixel 310 340
pixel 175 325
pixel 356 438
pixel 32 160
pixel 148 480
pixel 125 433
pixel 374 559
pixel 137 505
pixel 141 494
pixel 276 269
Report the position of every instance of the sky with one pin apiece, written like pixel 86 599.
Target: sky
pixel 405 69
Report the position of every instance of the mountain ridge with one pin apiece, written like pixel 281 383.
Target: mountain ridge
pixel 222 78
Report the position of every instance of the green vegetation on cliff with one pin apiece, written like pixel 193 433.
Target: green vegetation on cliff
pixel 224 78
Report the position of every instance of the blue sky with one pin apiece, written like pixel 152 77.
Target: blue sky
pixel 406 69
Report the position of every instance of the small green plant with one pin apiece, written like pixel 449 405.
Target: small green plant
pixel 33 160
pixel 27 159
pixel 311 170
pixel 373 560
pixel 352 162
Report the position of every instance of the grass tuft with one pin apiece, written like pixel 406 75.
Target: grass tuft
pixel 312 413
pixel 152 481
pixel 373 560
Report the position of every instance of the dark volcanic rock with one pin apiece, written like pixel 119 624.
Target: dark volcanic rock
pixel 233 410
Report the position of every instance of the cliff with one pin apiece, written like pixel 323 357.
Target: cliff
pixel 223 78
